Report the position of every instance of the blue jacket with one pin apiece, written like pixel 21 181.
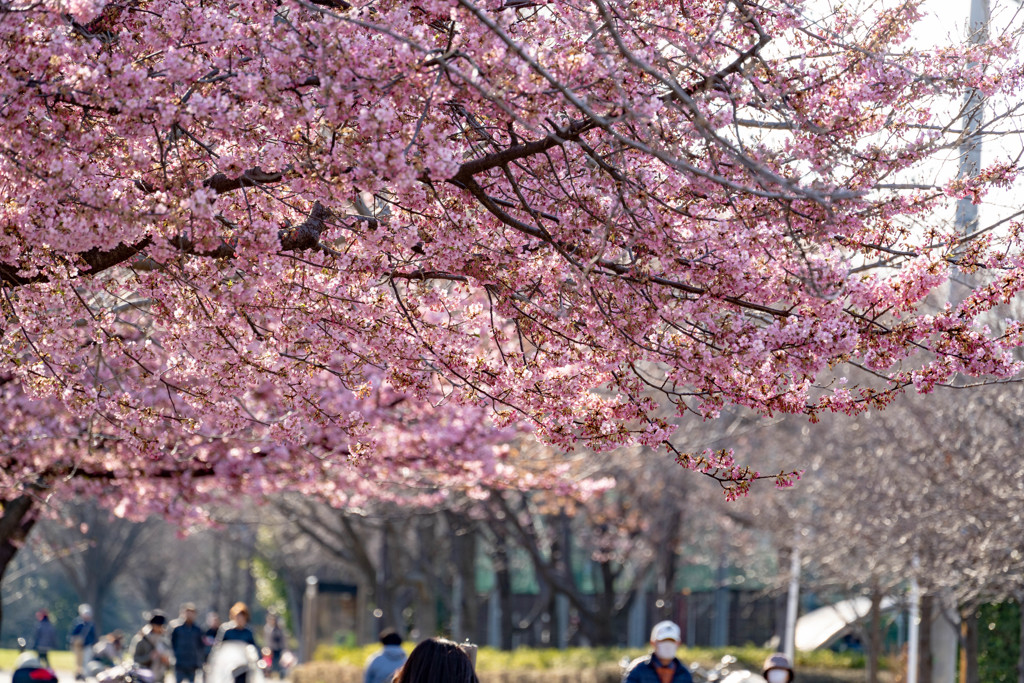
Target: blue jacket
pixel 187 643
pixel 86 630
pixel 231 631
pixel 642 671
pixel 381 666
pixel 45 637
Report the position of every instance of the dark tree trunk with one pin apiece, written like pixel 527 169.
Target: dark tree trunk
pixel 17 517
pixel 384 591
pixel 602 623
pixel 924 639
pixel 503 580
pixel 425 589
pixel 463 554
pixel 219 601
pixel 969 647
pixel 874 636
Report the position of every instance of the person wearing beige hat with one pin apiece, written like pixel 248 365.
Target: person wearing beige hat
pixel 661 666
pixel 777 669
pixel 187 644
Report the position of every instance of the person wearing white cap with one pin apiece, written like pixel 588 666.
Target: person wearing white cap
pixel 661 666
pixel 82 637
pixel 777 669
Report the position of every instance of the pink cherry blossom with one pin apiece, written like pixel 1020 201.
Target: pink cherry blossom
pixel 231 234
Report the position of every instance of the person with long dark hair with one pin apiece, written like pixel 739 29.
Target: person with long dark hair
pixel 437 660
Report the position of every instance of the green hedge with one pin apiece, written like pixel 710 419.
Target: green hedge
pixel 331 672
pixel 341 664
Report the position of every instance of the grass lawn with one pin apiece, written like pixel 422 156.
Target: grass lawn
pixel 63 660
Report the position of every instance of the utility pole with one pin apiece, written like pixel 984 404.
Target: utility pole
pixel 914 625
pixel 792 605
pixel 974 107
pixel 945 632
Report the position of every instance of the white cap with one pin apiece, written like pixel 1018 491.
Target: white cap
pixel 666 630
pixel 84 610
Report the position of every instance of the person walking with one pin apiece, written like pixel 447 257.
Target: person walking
pixel 45 637
pixel 661 666
pixel 210 634
pixel 238 627
pixel 148 648
pixel 437 660
pixel 274 636
pixel 187 645
pixel 235 631
pixel 82 637
pixel 386 661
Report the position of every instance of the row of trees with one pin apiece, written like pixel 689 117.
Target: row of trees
pixel 893 504
pixel 124 569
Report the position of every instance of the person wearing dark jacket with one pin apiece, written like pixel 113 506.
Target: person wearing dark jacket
pixel 238 627
pixel 661 666
pixel 274 635
pixel 237 630
pixel 45 638
pixel 81 638
pixel 382 664
pixel 187 645
pixel 210 634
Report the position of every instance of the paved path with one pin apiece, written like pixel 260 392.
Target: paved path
pixel 62 676
pixel 69 677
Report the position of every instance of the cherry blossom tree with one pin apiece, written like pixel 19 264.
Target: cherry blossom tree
pixel 543 209
pixel 230 233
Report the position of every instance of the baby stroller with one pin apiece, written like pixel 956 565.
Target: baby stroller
pixel 234 661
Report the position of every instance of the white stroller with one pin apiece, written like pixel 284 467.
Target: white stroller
pixel 234 661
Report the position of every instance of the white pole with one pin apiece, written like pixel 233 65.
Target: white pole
pixel 914 627
pixel 970 146
pixel 792 604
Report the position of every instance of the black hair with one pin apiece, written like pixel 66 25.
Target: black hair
pixel 389 636
pixel 437 660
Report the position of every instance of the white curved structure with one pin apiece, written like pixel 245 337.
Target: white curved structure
pixel 822 626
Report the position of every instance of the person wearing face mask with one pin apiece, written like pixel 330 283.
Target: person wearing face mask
pixel 777 669
pixel 661 666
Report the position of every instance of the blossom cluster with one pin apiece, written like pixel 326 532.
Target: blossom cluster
pixel 232 224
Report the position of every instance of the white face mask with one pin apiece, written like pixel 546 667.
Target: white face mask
pixel 665 649
pixel 778 676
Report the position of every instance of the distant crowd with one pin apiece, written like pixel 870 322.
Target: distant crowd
pixel 186 648
pixel 162 646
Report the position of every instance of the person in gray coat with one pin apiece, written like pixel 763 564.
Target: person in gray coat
pixel 45 637
pixel 382 665
pixel 148 648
